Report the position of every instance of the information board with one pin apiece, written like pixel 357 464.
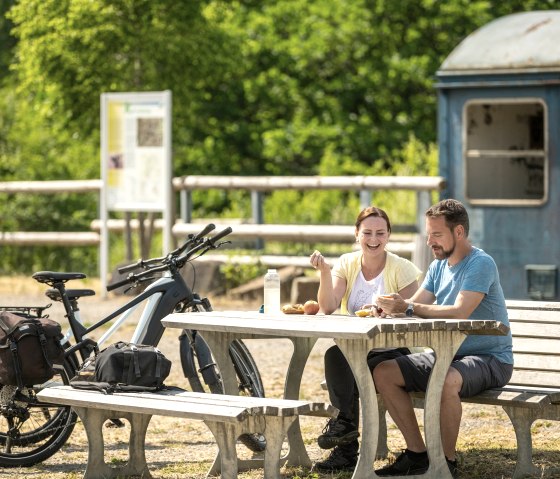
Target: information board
pixel 135 160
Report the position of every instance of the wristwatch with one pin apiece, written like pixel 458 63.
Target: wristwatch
pixel 409 310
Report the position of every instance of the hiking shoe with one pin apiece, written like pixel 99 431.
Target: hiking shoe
pixel 339 460
pixel 452 465
pixel 406 465
pixel 337 432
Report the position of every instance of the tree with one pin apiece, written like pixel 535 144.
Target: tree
pixel 259 87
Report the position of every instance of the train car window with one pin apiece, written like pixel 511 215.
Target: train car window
pixel 505 152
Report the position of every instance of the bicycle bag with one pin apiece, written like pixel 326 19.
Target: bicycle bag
pixel 29 349
pixel 124 367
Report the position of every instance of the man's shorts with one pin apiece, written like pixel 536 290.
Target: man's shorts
pixel 478 372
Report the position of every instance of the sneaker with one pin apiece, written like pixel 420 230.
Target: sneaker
pixel 453 468
pixel 337 432
pixel 406 465
pixel 339 460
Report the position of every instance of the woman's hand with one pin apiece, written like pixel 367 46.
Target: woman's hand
pixel 373 310
pixel 317 260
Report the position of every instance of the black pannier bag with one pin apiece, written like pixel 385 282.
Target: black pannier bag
pixel 29 348
pixel 124 367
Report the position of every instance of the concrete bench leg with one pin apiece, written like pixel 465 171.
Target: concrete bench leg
pixel 522 420
pixel 274 428
pixel 382 448
pixel 97 468
pixel 226 435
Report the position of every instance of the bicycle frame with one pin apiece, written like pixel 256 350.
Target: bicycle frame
pixel 161 298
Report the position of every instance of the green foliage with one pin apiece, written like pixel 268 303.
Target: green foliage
pixel 338 207
pixel 280 87
pixel 238 274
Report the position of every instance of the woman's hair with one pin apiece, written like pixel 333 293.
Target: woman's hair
pixel 454 213
pixel 372 211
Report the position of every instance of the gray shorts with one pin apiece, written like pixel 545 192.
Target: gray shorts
pixel 478 372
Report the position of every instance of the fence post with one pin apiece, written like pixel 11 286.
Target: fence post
pixel 186 205
pixel 365 198
pixel 422 254
pixel 257 213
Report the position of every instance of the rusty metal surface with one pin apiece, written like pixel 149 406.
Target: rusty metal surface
pixel 528 41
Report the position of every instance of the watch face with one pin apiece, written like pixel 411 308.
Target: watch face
pixel 409 310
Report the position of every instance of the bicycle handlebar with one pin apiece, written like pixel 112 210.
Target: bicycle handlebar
pixel 118 284
pixel 201 245
pixel 220 235
pixel 209 227
pixel 141 263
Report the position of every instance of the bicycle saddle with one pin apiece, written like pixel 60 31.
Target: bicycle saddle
pixel 51 276
pixel 73 294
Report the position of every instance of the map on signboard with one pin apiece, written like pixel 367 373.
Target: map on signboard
pixel 135 156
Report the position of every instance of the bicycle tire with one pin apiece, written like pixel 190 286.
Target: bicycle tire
pixel 198 361
pixel 42 428
pixel 198 365
pixel 246 368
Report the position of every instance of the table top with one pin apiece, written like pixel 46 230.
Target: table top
pixel 322 326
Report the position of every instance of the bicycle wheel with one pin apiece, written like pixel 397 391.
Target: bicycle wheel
pixel 30 431
pixel 197 361
pixel 250 381
pixel 198 364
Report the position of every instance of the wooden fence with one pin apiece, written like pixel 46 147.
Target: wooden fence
pixel 257 186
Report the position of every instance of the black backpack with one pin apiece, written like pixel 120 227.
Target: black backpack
pixel 124 367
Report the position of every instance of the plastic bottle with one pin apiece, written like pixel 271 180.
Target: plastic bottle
pixel 272 292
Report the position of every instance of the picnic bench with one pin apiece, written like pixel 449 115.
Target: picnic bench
pixel 226 416
pixel 534 389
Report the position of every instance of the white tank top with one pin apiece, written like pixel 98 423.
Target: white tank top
pixel 365 292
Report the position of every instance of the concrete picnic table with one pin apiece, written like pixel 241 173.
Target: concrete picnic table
pixel 356 337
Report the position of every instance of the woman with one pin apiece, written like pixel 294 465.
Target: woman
pixel 354 283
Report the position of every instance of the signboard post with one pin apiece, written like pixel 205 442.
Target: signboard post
pixel 135 162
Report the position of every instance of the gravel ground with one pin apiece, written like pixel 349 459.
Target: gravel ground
pixel 185 449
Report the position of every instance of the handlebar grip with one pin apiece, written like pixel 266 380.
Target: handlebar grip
pixel 128 267
pixel 209 227
pixel 221 234
pixel 118 284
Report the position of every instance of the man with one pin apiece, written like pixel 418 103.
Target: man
pixel 462 282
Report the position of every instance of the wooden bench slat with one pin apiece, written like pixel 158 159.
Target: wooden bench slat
pixel 144 405
pixel 535 378
pixel 515 304
pixel 530 330
pixel 527 315
pixel 535 345
pixel 190 403
pixel 537 362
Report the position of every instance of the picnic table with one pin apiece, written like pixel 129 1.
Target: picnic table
pixel 355 337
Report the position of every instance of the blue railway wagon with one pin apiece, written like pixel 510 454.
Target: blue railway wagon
pixel 498 133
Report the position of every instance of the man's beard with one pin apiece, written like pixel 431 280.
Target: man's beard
pixel 440 253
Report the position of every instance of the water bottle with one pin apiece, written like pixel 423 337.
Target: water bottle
pixel 272 292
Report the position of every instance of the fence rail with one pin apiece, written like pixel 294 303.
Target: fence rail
pixel 257 186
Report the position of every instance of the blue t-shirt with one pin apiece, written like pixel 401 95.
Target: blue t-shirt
pixel 476 272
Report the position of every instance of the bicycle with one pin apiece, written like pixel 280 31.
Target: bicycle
pixel 31 431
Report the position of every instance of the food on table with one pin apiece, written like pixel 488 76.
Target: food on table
pixel 311 307
pixel 292 308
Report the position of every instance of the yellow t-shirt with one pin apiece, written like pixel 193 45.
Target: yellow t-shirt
pixel 397 274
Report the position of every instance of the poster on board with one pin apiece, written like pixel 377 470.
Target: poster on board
pixel 136 156
pixel 135 162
